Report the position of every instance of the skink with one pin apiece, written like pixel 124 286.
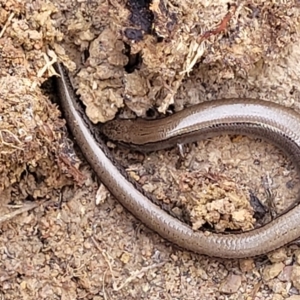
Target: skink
pixel 270 121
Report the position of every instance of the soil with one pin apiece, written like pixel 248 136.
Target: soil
pixel 63 236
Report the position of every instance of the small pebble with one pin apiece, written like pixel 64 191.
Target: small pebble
pixel 286 274
pixel 246 265
pixel 231 284
pixel 278 255
pixel 295 278
pixel 297 256
pixel 272 271
pixel 101 195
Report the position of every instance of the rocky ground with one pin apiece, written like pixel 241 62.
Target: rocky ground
pixel 62 235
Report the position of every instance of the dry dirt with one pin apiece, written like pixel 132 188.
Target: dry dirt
pixel 62 235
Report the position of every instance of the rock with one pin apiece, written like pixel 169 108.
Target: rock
pixel 286 274
pixel 295 278
pixel 297 256
pixel 278 287
pixel 231 284
pixel 272 271
pixel 278 255
pixel 246 265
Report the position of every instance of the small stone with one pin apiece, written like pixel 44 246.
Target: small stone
pixel 286 274
pixel 23 285
pixel 278 287
pixel 231 284
pixel 246 265
pixel 278 255
pixel 272 271
pixel 146 287
pixel 86 35
pixel 177 211
pixel 87 244
pixel 289 261
pixel 295 278
pixel 202 274
pixel 239 216
pixel 102 194
pixel 125 257
pixel 277 297
pixel 297 256
pixel 119 208
pixel 134 176
pixel 174 257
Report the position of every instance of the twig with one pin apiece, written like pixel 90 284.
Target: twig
pixel 221 27
pixel 136 274
pixel 130 278
pixel 6 24
pixel 23 209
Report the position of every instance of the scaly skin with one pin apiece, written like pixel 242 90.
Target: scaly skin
pixel 256 117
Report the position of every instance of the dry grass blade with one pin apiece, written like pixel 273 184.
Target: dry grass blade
pixel 25 208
